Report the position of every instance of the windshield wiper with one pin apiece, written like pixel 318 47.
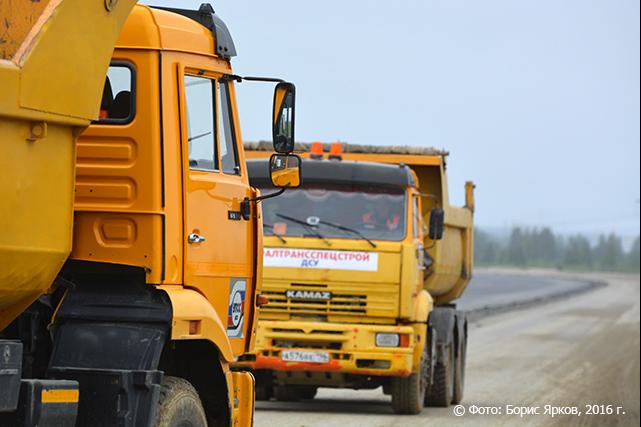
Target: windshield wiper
pixel 348 229
pixel 202 135
pixel 308 227
pixel 281 238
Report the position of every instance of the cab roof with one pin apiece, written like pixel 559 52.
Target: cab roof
pixel 181 30
pixel 339 173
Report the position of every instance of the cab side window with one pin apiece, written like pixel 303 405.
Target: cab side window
pixel 228 151
pixel 118 96
pixel 201 125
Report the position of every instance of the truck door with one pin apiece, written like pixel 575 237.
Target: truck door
pixel 219 243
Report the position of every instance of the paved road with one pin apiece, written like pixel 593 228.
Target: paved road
pixel 495 288
pixel 572 352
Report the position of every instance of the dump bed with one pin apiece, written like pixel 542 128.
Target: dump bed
pixel 53 60
pixel 452 256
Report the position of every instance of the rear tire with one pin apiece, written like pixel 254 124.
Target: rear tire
pixel 179 405
pixel 264 393
pixel 284 393
pixel 408 393
pixel 459 372
pixel 442 390
pixel 307 392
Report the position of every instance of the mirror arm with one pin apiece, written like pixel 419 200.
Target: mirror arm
pixel 268 196
pixel 231 77
pixel 263 79
pixel 240 79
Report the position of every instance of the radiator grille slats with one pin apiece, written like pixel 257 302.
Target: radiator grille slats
pixel 346 299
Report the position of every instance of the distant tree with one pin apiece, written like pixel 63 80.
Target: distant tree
pixel 578 252
pixel 609 252
pixel 598 253
pixel 486 248
pixel 516 253
pixel 541 247
pixel 631 262
pixel 548 246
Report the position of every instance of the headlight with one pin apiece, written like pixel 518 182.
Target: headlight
pixel 387 340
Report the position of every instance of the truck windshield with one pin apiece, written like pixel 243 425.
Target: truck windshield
pixel 374 213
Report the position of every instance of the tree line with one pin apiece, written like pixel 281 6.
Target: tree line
pixel 541 247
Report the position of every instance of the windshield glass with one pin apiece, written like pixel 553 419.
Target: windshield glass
pixel 336 212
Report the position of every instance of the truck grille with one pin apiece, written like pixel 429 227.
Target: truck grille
pixel 339 303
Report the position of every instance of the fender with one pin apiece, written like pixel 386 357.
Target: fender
pixel 189 305
pixel 422 307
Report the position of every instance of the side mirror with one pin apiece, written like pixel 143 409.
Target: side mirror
pixel 437 224
pixel 283 115
pixel 285 170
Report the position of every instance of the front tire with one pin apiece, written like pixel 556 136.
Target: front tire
pixel 179 405
pixel 408 393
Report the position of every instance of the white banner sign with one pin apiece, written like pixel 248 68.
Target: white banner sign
pixel 322 259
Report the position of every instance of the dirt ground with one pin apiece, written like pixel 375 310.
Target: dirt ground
pixel 582 350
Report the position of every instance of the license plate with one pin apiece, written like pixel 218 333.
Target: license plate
pixel 304 356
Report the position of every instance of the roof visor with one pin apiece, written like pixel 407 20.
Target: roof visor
pixel 206 17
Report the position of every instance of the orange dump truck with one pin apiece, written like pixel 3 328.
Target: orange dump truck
pixel 130 238
pixel 362 267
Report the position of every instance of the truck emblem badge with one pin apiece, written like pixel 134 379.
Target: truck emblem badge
pixel 309 295
pixel 236 308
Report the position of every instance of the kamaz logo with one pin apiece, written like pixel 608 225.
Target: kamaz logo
pixel 312 295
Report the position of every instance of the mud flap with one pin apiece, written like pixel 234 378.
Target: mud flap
pixel 243 405
pixel 111 397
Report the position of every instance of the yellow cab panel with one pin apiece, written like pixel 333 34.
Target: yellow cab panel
pixel 139 197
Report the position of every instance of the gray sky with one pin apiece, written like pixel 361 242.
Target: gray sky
pixel 537 101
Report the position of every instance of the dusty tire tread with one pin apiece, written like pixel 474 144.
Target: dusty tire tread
pixel 459 373
pixel 439 395
pixel 171 391
pixel 406 395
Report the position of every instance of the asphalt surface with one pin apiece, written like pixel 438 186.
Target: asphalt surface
pixel 568 352
pixel 494 289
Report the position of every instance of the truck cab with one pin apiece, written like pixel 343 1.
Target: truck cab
pixel 354 264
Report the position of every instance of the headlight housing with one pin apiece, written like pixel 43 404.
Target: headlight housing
pixel 386 339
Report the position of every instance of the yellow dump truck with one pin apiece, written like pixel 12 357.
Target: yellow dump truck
pixel 361 266
pixel 130 238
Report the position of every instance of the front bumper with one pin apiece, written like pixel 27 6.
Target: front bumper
pixel 351 348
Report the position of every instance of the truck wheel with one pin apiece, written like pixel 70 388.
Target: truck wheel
pixel 264 392
pixel 179 405
pixel 307 392
pixel 284 393
pixel 442 390
pixel 459 372
pixel 408 393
